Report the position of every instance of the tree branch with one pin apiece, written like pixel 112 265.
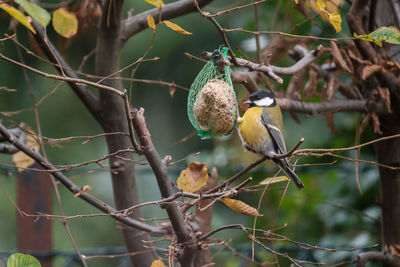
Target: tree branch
pixel 271 70
pixel 138 23
pixel 10 148
pixel 160 169
pixel 333 106
pixel 88 99
pixel 377 256
pixel 76 189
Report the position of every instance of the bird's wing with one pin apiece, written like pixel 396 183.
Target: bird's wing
pixel 275 132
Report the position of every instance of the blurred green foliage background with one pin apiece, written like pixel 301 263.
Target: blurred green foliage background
pixel 329 212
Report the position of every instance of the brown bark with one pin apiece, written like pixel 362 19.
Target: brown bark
pixel 364 17
pixel 113 119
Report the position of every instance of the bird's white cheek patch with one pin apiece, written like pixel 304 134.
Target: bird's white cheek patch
pixel 264 102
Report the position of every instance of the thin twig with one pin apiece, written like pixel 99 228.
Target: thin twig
pixel 76 189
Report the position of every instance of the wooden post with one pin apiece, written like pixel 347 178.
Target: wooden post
pixel 34 194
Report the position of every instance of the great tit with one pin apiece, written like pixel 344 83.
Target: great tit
pixel 261 128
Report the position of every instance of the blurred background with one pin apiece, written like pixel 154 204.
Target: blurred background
pixel 330 212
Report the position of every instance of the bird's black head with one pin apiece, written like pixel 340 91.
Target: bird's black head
pixel 261 99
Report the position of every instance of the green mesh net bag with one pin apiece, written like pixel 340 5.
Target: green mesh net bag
pixel 212 106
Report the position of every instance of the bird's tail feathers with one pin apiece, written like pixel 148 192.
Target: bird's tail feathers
pixel 284 165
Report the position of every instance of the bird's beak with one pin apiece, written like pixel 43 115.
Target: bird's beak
pixel 247 101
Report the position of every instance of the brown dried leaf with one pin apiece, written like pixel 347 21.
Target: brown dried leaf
pixel 385 96
pixel 376 123
pixel 354 55
pixel 20 159
pixel 311 86
pixel 369 70
pixel 338 57
pixel 329 90
pixel 395 250
pixel 346 90
pixel 157 263
pixel 279 47
pixel 349 62
pixel 84 189
pixel 240 206
pixel 295 85
pixel 330 121
pixel 193 178
pixel 295 117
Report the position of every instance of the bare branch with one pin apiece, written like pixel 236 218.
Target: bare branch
pixel 63 78
pixel 160 170
pixel 76 189
pixel 10 148
pixel 138 23
pixel 333 106
pixel 88 99
pixel 271 70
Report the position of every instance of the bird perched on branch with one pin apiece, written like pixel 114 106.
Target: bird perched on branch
pixel 261 128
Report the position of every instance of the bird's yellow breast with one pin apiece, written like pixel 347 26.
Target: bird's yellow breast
pixel 252 130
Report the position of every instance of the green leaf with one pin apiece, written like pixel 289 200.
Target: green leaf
pixel 16 14
pixel 22 260
pixel 65 23
pixel 388 34
pixel 39 14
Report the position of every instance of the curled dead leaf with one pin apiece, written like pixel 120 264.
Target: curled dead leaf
pixel 395 250
pixel 369 70
pixel 330 121
pixel 337 55
pixel 376 123
pixel 384 93
pixel 240 206
pixel 193 178
pixel 84 189
pixel 311 86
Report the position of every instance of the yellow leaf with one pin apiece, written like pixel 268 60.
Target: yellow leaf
pixel 157 263
pixel 84 189
pixel 151 22
pixel 335 20
pixel 321 4
pixel 156 3
pixel 16 14
pixel 175 27
pixel 20 159
pixel 240 206
pixel 65 23
pixel 325 5
pixel 193 178
pixel 274 180
pixel 296 1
